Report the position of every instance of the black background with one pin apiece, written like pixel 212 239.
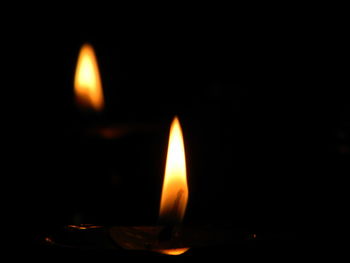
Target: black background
pixel 260 98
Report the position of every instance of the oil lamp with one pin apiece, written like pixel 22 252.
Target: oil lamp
pixel 162 238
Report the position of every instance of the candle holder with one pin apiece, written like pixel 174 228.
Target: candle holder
pixel 149 240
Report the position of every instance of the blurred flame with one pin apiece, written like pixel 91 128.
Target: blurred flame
pixel 175 191
pixel 87 81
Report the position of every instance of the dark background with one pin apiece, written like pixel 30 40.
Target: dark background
pixel 264 112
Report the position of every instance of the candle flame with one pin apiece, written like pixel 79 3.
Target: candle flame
pixel 87 81
pixel 175 191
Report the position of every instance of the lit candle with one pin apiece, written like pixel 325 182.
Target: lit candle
pixel 90 100
pixel 170 237
pixel 91 138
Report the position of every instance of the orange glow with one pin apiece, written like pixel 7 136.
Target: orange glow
pixel 175 191
pixel 83 226
pixel 87 81
pixel 173 251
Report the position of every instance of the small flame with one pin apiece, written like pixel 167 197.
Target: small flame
pixel 175 191
pixel 87 81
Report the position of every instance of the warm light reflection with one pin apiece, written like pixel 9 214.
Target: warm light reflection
pixel 175 192
pixel 173 251
pixel 87 82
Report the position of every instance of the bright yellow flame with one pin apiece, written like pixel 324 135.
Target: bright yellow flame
pixel 175 191
pixel 173 251
pixel 87 81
